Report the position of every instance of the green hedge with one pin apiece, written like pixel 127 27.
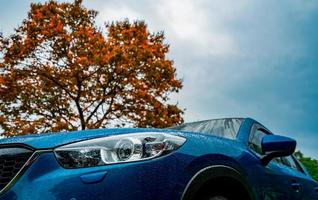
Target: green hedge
pixel 310 164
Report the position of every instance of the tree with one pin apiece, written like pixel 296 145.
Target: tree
pixel 61 72
pixel 310 164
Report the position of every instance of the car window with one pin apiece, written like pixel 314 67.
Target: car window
pixel 279 160
pixel 227 128
pixel 289 161
pixel 255 139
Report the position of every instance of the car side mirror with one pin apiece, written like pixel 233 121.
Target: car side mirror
pixel 276 146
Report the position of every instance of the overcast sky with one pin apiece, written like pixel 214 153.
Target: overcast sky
pixel 241 58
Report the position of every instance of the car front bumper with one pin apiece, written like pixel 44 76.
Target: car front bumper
pixel 45 179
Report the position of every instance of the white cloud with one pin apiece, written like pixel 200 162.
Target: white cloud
pixel 191 23
pixel 109 13
pixel 185 22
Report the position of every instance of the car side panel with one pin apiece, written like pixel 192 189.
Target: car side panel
pixel 217 151
pixel 276 180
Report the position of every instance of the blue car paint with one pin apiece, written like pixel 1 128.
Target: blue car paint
pixel 163 178
pixel 51 140
pixel 272 142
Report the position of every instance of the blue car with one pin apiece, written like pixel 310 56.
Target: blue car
pixel 221 159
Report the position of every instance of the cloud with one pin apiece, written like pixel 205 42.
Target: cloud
pixel 109 14
pixel 185 22
pixel 190 23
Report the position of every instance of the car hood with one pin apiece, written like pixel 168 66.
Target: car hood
pixel 52 140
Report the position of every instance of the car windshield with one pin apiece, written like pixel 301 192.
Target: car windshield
pixel 227 128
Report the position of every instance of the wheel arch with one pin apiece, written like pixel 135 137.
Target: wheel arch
pixel 211 173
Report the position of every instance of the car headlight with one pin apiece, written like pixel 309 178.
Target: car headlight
pixel 117 149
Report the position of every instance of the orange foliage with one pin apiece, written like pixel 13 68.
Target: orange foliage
pixel 63 73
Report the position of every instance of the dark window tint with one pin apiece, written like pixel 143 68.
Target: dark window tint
pixel 290 162
pixel 227 128
pixel 255 140
pixel 278 160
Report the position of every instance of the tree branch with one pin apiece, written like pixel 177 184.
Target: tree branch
pixel 77 102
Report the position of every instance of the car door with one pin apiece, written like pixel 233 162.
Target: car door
pixel 308 185
pixel 302 182
pixel 278 181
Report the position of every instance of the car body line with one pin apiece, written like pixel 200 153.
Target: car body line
pixel 33 157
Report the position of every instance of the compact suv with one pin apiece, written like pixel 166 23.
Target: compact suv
pixel 221 159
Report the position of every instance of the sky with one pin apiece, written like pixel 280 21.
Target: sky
pixel 238 58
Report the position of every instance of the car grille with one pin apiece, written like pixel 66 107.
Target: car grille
pixel 12 159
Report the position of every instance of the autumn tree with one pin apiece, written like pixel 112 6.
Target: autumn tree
pixel 61 72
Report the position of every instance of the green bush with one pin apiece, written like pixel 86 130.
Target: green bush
pixel 310 164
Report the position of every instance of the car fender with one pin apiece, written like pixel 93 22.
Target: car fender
pixel 210 172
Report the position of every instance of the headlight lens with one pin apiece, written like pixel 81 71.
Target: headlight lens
pixel 117 149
